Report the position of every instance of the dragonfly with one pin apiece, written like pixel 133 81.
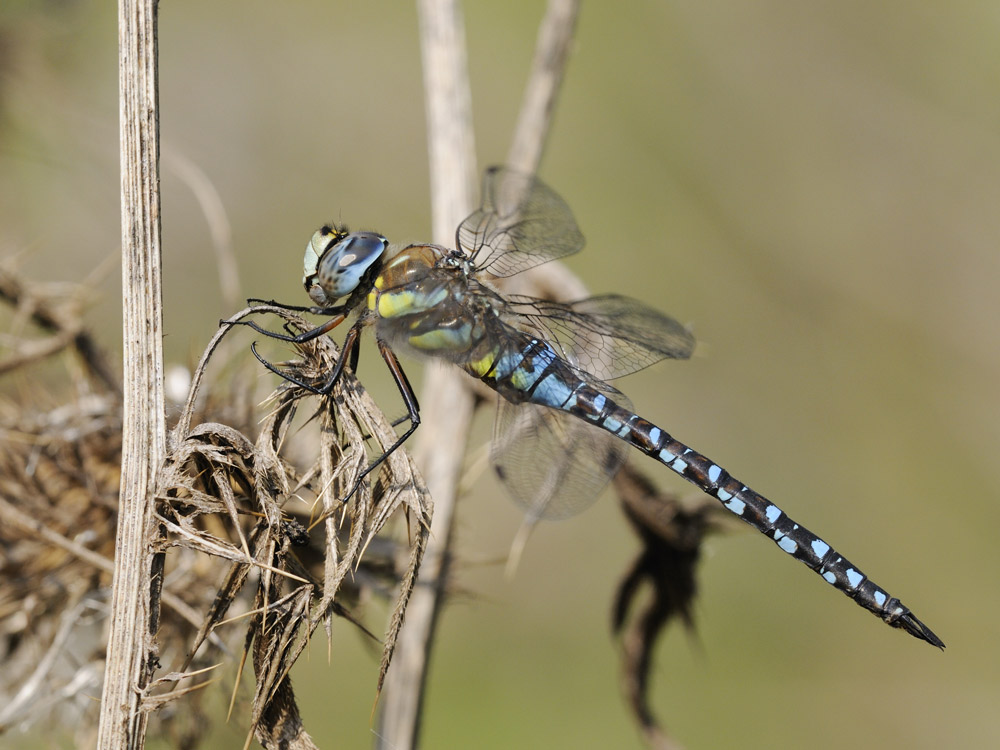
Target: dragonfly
pixel 562 430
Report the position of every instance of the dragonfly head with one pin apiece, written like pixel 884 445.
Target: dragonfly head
pixel 337 260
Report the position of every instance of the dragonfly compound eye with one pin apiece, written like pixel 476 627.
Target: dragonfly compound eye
pixel 335 264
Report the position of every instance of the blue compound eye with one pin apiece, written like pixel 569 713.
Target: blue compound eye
pixel 334 263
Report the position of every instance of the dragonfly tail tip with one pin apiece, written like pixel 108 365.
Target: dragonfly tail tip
pixel 908 622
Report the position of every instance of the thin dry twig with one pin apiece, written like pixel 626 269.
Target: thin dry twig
pixel 63 319
pixel 210 203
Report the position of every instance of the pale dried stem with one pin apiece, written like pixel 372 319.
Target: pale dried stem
pixel 210 203
pixel 132 613
pixel 447 404
pixel 552 48
pixel 447 400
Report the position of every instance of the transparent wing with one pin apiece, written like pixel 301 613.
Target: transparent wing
pixel 553 464
pixel 608 336
pixel 521 224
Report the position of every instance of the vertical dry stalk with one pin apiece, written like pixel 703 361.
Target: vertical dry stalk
pixel 551 54
pixel 447 405
pixel 447 401
pixel 132 619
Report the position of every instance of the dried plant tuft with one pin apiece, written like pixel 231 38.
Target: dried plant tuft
pixel 253 545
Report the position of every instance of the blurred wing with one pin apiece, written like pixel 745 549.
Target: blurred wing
pixel 553 464
pixel 608 336
pixel 521 224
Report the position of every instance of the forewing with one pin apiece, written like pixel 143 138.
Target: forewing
pixel 609 336
pixel 521 224
pixel 553 464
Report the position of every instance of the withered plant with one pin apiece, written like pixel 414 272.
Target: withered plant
pixel 215 478
pixel 251 545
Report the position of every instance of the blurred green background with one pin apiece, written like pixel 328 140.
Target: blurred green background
pixel 814 186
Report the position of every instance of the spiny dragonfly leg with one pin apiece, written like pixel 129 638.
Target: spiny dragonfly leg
pixel 295 308
pixel 338 317
pixel 412 411
pixel 348 352
pixel 350 347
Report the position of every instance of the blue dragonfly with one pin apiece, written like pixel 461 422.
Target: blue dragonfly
pixel 562 431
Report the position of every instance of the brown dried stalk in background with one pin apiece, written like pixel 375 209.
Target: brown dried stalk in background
pixel 671 536
pixel 59 472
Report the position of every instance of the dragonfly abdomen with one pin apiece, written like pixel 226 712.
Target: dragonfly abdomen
pixel 532 371
pixel 750 506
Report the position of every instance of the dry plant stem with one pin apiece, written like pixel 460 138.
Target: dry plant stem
pixel 447 399
pixel 555 36
pixel 550 280
pixel 133 617
pixel 551 53
pixel 447 405
pixel 210 202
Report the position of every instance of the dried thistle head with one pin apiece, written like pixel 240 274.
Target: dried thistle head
pixel 224 502
pixel 222 494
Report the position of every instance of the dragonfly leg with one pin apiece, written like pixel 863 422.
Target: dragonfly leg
pixel 351 346
pixel 337 318
pixel 296 308
pixel 402 383
pixel 412 411
pixel 278 371
pixel 355 352
pixel 349 351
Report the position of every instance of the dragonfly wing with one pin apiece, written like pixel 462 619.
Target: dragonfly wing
pixel 609 336
pixel 522 223
pixel 554 465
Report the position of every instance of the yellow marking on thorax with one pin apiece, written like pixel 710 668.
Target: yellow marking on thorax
pixel 521 379
pixel 482 366
pixel 377 287
pixel 402 301
pixel 443 339
pixel 391 304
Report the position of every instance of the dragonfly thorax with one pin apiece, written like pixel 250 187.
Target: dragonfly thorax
pixel 336 262
pixel 456 260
